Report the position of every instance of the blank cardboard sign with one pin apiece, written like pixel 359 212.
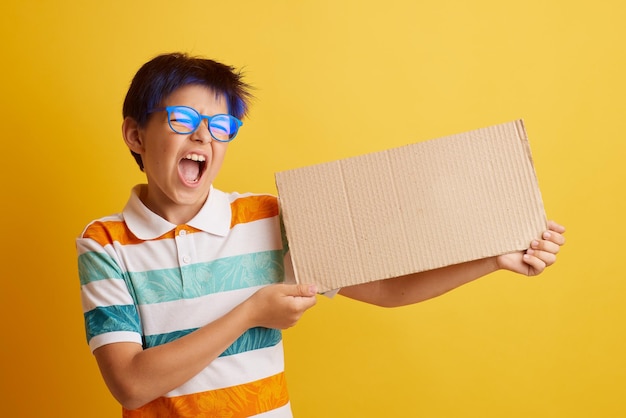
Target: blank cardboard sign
pixel 418 207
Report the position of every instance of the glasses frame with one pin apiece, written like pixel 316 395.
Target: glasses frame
pixel 170 109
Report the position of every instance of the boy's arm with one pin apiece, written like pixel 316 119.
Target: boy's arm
pixel 418 287
pixel 136 376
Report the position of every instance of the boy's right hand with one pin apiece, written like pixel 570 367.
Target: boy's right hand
pixel 280 306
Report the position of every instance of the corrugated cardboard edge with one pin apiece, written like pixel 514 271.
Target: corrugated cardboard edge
pixel 414 208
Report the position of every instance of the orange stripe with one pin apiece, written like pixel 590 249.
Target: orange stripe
pixel 237 401
pixel 253 208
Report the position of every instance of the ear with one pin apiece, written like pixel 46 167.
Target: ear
pixel 132 135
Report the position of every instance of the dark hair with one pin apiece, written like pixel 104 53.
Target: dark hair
pixel 162 75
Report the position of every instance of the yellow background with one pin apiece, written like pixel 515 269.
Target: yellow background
pixel 333 79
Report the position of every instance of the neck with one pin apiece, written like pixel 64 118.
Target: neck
pixel 173 212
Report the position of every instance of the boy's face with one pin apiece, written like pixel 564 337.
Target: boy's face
pixel 180 168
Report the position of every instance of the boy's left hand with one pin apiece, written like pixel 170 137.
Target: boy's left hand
pixel 541 254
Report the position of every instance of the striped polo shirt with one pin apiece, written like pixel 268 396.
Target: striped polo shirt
pixel 147 281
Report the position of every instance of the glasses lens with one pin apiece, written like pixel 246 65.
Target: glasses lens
pixel 223 127
pixel 183 120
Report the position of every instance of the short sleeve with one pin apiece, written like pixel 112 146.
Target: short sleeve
pixel 110 313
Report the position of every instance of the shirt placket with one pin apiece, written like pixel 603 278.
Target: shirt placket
pixel 186 255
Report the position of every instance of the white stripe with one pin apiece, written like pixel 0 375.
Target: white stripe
pixel 282 412
pixel 160 318
pixel 257 237
pixel 224 372
pixel 107 292
pixel 163 254
pixel 114 337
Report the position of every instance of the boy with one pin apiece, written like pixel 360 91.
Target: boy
pixel 184 292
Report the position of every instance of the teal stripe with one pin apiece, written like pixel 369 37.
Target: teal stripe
pixel 94 266
pixel 112 318
pixel 252 339
pixel 160 339
pixel 225 274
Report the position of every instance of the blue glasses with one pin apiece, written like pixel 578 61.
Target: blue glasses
pixel 185 120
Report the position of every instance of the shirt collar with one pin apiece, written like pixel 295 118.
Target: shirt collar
pixel 214 216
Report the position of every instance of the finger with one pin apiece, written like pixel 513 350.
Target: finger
pixel 553 226
pixel 554 237
pixel 547 258
pixel 535 264
pixel 545 245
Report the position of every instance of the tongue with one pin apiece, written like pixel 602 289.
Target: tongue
pixel 189 169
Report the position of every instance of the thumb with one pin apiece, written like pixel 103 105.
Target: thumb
pixel 304 290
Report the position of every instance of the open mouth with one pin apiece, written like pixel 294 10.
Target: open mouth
pixel 192 167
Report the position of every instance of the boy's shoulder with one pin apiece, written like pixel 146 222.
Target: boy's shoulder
pixel 253 202
pixel 105 231
pixel 252 206
pixel 102 223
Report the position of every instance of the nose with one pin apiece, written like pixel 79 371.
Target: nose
pixel 202 134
